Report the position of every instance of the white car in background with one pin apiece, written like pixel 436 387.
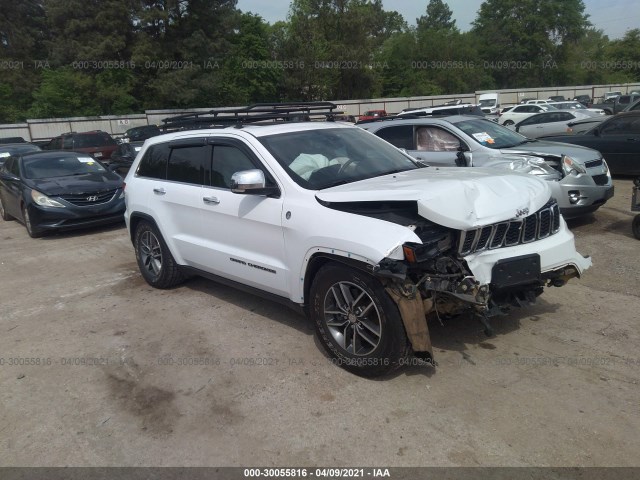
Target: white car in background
pixel 577 106
pixel 547 123
pixel 538 102
pixel 520 112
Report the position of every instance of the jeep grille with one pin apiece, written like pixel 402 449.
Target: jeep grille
pixel 543 223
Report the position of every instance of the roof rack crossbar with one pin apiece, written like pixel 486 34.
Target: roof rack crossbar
pixel 257 112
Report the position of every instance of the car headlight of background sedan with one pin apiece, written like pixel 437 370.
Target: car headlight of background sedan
pixel 44 201
pixel 569 165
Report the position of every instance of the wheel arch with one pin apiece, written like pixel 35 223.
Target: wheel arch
pixel 134 220
pixel 320 259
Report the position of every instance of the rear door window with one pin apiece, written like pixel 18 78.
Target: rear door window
pixel 400 136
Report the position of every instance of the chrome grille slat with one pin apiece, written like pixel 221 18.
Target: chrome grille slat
pixel 87 199
pixel 484 237
pixel 542 224
pixel 498 237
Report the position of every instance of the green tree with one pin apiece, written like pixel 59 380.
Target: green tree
pixel 404 77
pixel 64 92
pixel 521 40
pixel 624 56
pixel 179 49
pixel 337 41
pixel 22 34
pixel 582 59
pixel 89 30
pixel 439 17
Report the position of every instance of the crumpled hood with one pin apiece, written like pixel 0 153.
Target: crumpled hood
pixel 460 198
pixel 89 183
pixel 542 147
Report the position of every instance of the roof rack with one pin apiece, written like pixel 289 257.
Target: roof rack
pixel 411 115
pixel 257 112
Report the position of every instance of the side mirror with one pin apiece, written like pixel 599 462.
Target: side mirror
pixel 464 159
pixel 112 167
pixel 252 182
pixel 596 132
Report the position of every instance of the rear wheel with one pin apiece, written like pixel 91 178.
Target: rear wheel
pixel 155 261
pixel 507 123
pixel 636 226
pixel 31 230
pixel 357 322
pixel 3 213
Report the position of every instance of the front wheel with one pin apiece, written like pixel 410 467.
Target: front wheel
pixel 636 226
pixel 155 261
pixel 507 123
pixel 3 213
pixel 357 322
pixel 31 230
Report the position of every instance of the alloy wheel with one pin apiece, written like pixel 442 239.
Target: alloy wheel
pixel 151 253
pixel 352 318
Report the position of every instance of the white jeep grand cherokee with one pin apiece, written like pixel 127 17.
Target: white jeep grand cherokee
pixel 339 223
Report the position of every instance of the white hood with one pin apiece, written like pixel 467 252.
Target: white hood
pixel 460 198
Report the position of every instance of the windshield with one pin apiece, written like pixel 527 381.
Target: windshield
pixel 93 140
pixel 489 102
pixel 6 150
pixel 570 106
pixel 317 159
pixel 490 134
pixel 64 166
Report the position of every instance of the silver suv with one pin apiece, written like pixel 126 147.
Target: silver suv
pixel 579 177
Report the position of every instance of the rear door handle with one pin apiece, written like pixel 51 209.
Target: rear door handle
pixel 211 200
pixel 159 191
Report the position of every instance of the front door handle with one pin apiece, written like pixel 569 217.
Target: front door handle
pixel 211 200
pixel 159 191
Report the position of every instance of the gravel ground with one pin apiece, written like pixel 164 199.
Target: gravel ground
pixel 112 372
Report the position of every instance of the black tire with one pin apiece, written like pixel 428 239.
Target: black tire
pixel 358 349
pixel 155 261
pixel 508 122
pixel 3 213
pixel 33 232
pixel 635 226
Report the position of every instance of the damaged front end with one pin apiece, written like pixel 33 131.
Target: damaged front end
pixel 445 275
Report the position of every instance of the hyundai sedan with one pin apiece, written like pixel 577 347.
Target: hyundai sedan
pixel 59 190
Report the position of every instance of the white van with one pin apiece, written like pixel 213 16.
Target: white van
pixel 489 103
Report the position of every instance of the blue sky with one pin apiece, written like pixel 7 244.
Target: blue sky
pixel 612 16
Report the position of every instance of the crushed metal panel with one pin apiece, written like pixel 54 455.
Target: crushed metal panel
pixel 415 321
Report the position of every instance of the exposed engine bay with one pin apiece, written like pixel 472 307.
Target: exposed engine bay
pixel 436 274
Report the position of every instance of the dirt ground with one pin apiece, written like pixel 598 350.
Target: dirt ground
pixel 99 369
